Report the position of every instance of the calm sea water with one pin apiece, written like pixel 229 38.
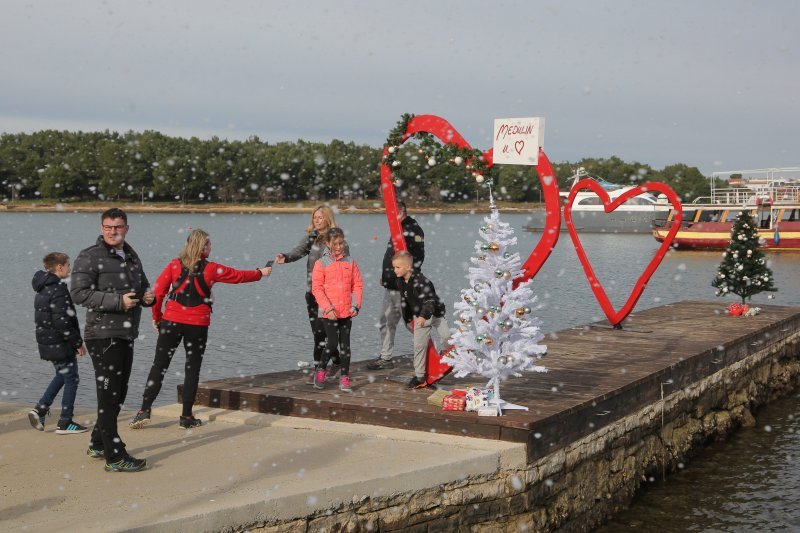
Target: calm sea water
pixel 262 327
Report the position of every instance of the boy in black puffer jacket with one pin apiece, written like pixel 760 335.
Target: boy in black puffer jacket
pixel 59 338
pixel 422 308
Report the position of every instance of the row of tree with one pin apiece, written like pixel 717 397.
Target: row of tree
pixel 149 166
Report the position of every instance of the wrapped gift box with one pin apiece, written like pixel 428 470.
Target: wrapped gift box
pixel 478 397
pixel 451 402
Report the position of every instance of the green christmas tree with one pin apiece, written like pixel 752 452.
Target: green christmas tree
pixel 743 270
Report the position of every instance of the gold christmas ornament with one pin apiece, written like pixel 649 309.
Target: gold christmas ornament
pixel 506 275
pixel 488 340
pixel 520 311
pixel 494 247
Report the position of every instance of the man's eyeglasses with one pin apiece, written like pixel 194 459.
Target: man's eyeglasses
pixel 112 228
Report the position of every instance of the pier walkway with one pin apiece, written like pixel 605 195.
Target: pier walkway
pixel 276 451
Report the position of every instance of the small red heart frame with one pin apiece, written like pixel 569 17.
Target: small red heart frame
pixel 616 317
pixel 446 133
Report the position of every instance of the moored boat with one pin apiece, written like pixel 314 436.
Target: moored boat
pixel 706 223
pixel 633 216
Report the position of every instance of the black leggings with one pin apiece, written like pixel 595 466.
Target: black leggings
pixel 318 330
pixel 170 335
pixel 338 334
pixel 112 360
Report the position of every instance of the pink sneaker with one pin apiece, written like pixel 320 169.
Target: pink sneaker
pixel 319 379
pixel 344 384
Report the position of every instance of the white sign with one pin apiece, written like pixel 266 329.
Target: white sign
pixel 517 140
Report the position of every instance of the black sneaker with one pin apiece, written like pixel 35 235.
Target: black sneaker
pixel 127 464
pixel 68 427
pixel 380 364
pixel 141 419
pixel 416 383
pixel 36 417
pixel 189 422
pixel 95 453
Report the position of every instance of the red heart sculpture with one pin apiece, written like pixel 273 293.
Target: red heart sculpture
pixel 616 317
pixel 446 133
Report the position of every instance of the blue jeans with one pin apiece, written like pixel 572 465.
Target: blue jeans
pixel 67 377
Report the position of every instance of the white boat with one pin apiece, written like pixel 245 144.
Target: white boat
pixel 634 216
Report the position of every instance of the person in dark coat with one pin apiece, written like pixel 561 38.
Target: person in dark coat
pixel 392 308
pixel 108 279
pixel 58 336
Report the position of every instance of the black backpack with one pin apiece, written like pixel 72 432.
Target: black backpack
pixel 185 288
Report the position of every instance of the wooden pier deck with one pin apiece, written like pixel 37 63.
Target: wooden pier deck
pixel 596 375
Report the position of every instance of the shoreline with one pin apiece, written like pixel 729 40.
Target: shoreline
pixel 46 207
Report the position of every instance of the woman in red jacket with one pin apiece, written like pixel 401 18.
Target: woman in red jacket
pixel 186 284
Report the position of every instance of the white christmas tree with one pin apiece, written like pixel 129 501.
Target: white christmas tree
pixel 497 335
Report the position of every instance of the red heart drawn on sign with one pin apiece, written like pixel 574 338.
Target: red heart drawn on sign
pixel 518 146
pixel 446 133
pixel 616 317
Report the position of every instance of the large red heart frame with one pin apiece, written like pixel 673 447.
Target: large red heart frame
pixel 446 133
pixel 616 317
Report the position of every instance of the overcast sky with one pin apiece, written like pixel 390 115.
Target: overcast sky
pixel 714 84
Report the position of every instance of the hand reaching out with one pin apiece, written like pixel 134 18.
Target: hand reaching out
pixel 148 296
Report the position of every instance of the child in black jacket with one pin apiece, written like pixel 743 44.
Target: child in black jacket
pixel 59 338
pixel 423 308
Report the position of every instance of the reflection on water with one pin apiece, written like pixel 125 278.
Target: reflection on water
pixel 263 327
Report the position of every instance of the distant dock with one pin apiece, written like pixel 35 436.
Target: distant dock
pixel 615 407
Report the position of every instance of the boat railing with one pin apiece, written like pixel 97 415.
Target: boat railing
pixel 663 223
pixel 755 195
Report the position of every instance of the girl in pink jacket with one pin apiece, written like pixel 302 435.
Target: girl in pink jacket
pixel 336 285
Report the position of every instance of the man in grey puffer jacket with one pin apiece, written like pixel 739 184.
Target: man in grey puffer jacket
pixel 109 280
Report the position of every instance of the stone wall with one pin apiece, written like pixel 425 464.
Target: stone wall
pixel 585 483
